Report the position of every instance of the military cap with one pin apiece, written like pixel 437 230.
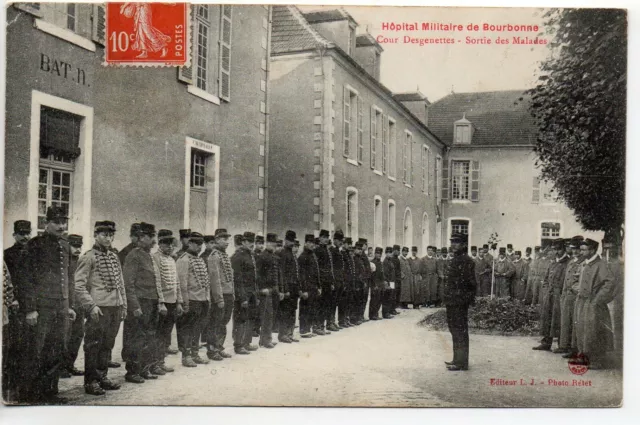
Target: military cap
pixel 378 250
pixel 279 243
pixel 196 237
pixel 438 250
pixel 458 238
pixel 75 240
pixel 21 226
pixel 55 212
pixel 485 246
pixel 338 235
pixel 537 248
pixel 414 249
pixel 590 243
pixel 474 248
pixel 238 239
pixel 578 238
pixel 509 246
pixel 574 243
pixel 396 247
pixel 221 233
pixel 324 233
pixel 348 241
pixel 444 250
pixel 184 233
pixel 135 229
pixel 290 235
pixel 147 229
pixel 388 250
pixel 518 252
pixel 260 239
pixel 359 245
pixel 165 236
pixel 502 250
pixel 296 243
pixel 249 236
pixel 363 240
pixel 528 250
pixel 404 248
pixel 309 238
pixel 272 237
pixel 209 238
pixel 104 226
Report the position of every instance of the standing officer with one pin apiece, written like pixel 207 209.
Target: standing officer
pixel 310 288
pixel 345 301
pixel 459 293
pixel 291 283
pixel 429 272
pixel 269 284
pixel 520 277
pixel 133 235
pixel 145 302
pixel 100 289
pixel 363 280
pixel 532 278
pixel 48 303
pixel 19 336
pixel 568 299
pixel 222 298
pixel 339 272
pixel 76 331
pixel 389 270
pixel 193 278
pixel 406 288
pixel 246 291
pixel 327 283
pixel 504 270
pixel 377 285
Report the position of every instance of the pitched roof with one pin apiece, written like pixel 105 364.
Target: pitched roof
pixel 498 117
pixel 291 32
pixel 413 96
pixel 317 16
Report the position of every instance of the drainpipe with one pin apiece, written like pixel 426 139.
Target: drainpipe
pixel 265 204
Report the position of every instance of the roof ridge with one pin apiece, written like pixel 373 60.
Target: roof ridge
pixel 303 21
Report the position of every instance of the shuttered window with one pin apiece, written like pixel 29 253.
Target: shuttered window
pixel 392 148
pixel 385 145
pixel 475 181
pixel 360 131
pixel 376 130
pixel 535 198
pixel 445 181
pixel 460 179
pixel 225 53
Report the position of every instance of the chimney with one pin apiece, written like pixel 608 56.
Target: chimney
pixel 368 53
pixel 417 103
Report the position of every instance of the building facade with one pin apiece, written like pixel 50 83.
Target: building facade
pixel 490 182
pixel 345 152
pixel 174 147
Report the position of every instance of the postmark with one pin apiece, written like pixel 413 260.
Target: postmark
pixel 579 365
pixel 147 34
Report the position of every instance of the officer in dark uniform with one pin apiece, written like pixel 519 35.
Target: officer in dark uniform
pixel 246 289
pixel 339 272
pixel 363 280
pixel 133 235
pixel 291 285
pixel 389 270
pixel 459 293
pixel 76 332
pixel 48 302
pixel 310 288
pixel 346 305
pixel 327 283
pixel 269 284
pixel 398 279
pixel 377 285
pixel 20 336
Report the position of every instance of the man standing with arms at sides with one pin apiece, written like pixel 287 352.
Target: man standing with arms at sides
pixel 20 336
pixel 459 294
pixel 345 301
pixel 429 273
pixel 568 299
pixel 133 235
pixel 76 331
pixel 418 289
pixel 547 256
pixel 291 284
pixel 193 278
pixel 389 270
pixel 377 285
pixel 257 250
pixel 398 279
pixel 100 289
pixel 310 287
pixel 48 303
pixel 520 276
pixel 596 289
pixel 339 271
pixel 327 282
pixel 532 278
pixel 406 288
pixel 222 298
pixel 366 280
pixel 172 297
pixel 358 283
pixel 269 281
pixel 504 270
pixel 145 302
pixel 246 293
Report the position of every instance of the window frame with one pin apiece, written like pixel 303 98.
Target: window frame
pixel 376 115
pixel 393 143
pixel 351 214
pixel 407 158
pixel 466 136
pixel 468 182
pixel 424 162
pixel 391 222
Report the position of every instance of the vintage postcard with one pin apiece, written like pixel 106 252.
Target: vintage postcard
pixel 281 205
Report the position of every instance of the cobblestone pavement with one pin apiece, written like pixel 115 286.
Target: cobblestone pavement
pixel 393 363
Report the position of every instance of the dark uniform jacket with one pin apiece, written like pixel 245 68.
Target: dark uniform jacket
pixel 339 266
pixel 398 271
pixel 122 255
pixel 309 271
pixel 362 271
pixel 141 278
pixel 15 258
pixel 349 270
pixel 244 274
pixel 325 262
pixel 378 275
pixel 47 273
pixel 389 269
pixel 290 272
pixel 460 284
pixel 554 278
pixel 269 273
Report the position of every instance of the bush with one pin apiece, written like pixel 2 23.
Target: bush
pixel 503 316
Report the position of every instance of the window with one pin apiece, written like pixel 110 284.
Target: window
pixel 377 221
pixel 438 180
pixel 385 146
pixel 198 169
pixel 425 169
pixel 407 231
pixel 360 131
pixel 460 226
pixel 376 130
pixel 351 135
pixel 63 15
pixel 460 179
pixel 352 40
pixel 463 133
pixel 407 158
pixel 392 148
pixel 352 213
pixel 203 29
pixel 225 53
pixel 391 236
pixel 548 231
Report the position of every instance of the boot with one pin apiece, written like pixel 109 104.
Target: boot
pixel 187 361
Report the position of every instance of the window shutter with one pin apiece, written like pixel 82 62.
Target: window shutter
pixel 185 73
pixel 475 181
pixel 445 180
pixel 385 144
pixel 373 138
pixel 360 132
pixel 98 24
pixel 346 126
pixel 535 199
pixel 225 53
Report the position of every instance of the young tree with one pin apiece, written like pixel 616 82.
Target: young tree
pixel 580 107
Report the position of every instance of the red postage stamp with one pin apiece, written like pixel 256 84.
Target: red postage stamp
pixel 147 34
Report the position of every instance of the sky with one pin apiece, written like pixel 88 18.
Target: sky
pixel 437 69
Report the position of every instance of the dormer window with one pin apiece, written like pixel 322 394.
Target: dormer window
pixel 463 130
pixel 352 40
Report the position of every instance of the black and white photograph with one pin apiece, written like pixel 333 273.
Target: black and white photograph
pixel 282 205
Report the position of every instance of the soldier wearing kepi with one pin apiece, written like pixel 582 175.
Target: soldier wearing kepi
pixel 327 283
pixel 377 285
pixel 346 300
pixel 339 272
pixel 459 294
pixel 418 284
pixel 310 288
pixel 568 299
pixel 194 287
pixel 133 235
pixel 389 270
pixel 246 293
pixel 48 303
pixel 172 297
pixel 406 288
pixel 76 331
pixel 363 280
pixel 291 283
pixel 100 289
pixel 145 302
pixel 269 284
pixel 222 298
